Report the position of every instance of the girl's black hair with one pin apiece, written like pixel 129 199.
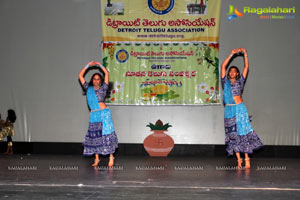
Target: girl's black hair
pixel 237 69
pixel 101 78
pixel 11 115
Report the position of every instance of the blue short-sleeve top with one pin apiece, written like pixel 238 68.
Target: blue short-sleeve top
pixel 100 93
pixel 236 87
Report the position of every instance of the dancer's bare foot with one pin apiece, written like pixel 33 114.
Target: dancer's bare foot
pixel 247 163
pixel 111 161
pixel 239 161
pixel 96 162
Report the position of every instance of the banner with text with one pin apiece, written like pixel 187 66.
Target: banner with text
pixel 160 20
pixel 162 73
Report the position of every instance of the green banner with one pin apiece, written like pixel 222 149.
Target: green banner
pixel 163 73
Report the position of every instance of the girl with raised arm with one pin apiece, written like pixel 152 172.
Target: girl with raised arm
pixel 100 138
pixel 239 134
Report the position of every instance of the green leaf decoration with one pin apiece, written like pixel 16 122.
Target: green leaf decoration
pixel 166 126
pixel 104 61
pixel 152 126
pixel 167 96
pixel 216 64
pixel 174 96
pixel 146 90
pixel 159 126
pixel 207 52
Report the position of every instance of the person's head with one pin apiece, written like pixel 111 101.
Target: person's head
pixel 96 80
pixel 233 73
pixel 11 115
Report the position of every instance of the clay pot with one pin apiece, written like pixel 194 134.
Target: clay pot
pixel 158 144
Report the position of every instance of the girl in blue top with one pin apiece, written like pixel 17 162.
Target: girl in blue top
pixel 100 138
pixel 239 134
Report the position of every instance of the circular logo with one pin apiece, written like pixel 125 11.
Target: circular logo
pixel 161 7
pixel 122 56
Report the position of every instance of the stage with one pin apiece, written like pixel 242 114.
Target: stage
pixel 45 176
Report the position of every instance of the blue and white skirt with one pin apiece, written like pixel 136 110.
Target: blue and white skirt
pixel 100 137
pixel 239 134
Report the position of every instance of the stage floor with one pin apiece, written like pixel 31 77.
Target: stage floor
pixel 143 177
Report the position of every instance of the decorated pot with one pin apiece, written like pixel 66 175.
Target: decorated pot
pixel 158 144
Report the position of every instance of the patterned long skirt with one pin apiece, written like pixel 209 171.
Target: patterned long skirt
pixel 98 141
pixel 239 134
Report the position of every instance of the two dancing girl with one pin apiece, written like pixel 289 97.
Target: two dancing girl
pixel 240 138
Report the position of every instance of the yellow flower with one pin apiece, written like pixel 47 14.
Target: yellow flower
pixel 160 89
